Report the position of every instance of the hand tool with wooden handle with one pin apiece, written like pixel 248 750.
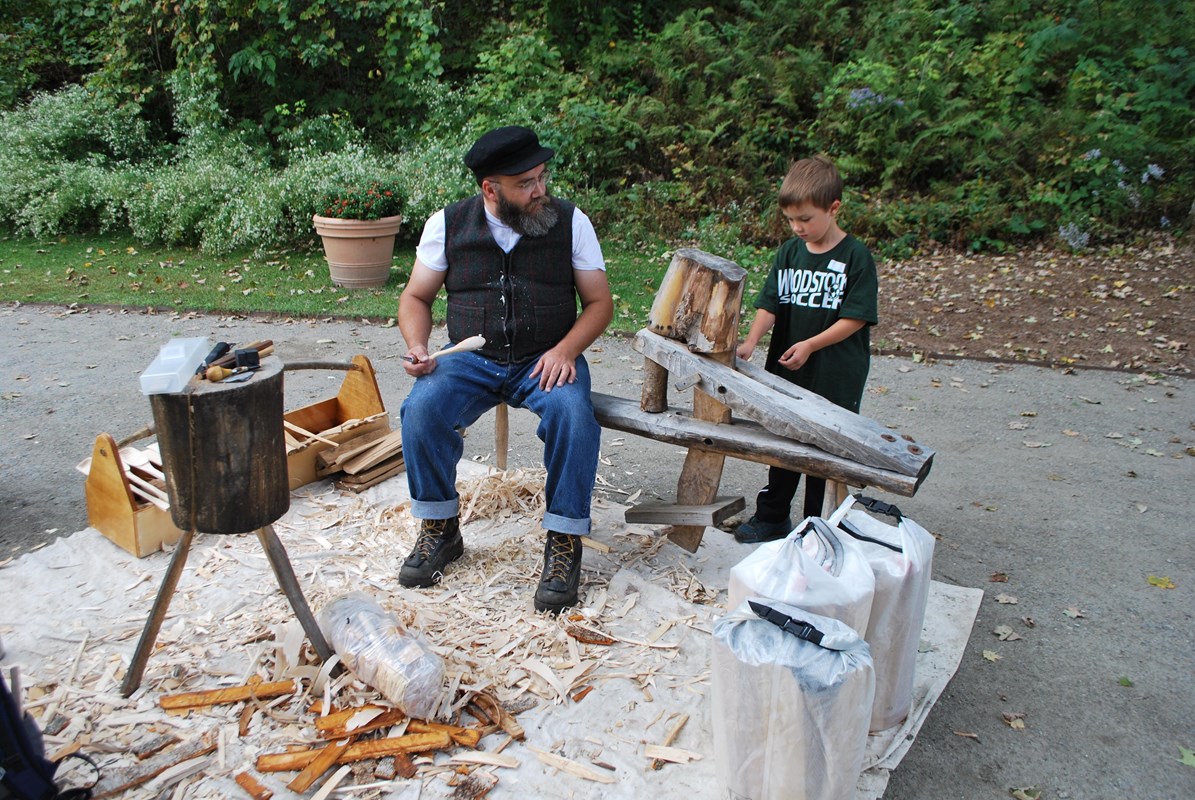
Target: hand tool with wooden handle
pixel 217 352
pixel 463 346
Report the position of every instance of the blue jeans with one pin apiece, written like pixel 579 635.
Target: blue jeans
pixel 462 388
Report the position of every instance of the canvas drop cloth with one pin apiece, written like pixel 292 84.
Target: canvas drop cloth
pixel 73 611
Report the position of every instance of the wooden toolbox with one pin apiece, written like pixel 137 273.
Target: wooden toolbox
pixel 124 501
pixel 356 410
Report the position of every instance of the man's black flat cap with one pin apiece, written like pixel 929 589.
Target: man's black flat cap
pixel 506 151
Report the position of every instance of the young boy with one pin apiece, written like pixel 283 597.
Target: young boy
pixel 821 297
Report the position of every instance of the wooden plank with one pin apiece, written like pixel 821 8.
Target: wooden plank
pixel 794 414
pixel 356 483
pixel 380 451
pixel 232 694
pixel 330 460
pixel 706 515
pixel 701 474
pixel 357 751
pixel 501 434
pixel 746 440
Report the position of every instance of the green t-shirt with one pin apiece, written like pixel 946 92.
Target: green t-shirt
pixel 809 292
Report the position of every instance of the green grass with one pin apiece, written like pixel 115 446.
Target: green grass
pixel 115 270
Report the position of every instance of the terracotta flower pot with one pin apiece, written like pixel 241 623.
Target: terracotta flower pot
pixel 359 251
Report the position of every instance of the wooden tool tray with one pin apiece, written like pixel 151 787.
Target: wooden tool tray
pixel 356 410
pixel 124 500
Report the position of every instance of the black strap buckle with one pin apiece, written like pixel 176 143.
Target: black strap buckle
pixel 797 627
pixel 879 507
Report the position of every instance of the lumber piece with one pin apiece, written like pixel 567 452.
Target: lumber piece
pixel 232 694
pixel 253 786
pixel 746 440
pixel 708 514
pixel 383 472
pixel 791 412
pixel 380 451
pixel 306 434
pixel 357 751
pixel 121 779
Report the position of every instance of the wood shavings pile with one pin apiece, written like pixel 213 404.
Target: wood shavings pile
pixel 229 623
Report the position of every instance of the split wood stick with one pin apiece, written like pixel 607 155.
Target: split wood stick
pixel 358 751
pixel 338 719
pixel 120 780
pixel 675 755
pixel 254 787
pixel 387 718
pixel 486 759
pixel 670 737
pixel 233 694
pixel 490 706
pixel 323 762
pixel 571 767
pixel 467 737
pixel 309 434
pixel 331 784
pixel 135 436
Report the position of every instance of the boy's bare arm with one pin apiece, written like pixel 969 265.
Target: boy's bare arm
pixel 796 356
pixel 763 322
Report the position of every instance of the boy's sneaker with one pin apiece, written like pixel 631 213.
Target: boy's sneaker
pixel 755 530
pixel 562 573
pixel 438 545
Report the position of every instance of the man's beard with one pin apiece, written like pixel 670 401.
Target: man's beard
pixel 536 221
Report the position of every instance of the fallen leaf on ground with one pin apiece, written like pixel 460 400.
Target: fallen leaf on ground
pixel 1028 793
pixel 967 735
pixel 1014 720
pixel 1072 612
pixel 1188 756
pixel 1126 682
pixel 1029 622
pixel 1037 444
pixel 1161 583
pixel 992 655
pixel 1006 599
pixel 1005 633
pixel 998 577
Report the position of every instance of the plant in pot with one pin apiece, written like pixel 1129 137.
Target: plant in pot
pixel 358 225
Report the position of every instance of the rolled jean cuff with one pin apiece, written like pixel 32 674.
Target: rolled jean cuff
pixel 435 509
pixel 555 522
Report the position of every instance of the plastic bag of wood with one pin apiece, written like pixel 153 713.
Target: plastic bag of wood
pixel 901 558
pixel 387 656
pixel 815 568
pixel 791 695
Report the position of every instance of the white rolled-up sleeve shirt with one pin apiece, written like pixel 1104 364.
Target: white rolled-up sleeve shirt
pixel 587 252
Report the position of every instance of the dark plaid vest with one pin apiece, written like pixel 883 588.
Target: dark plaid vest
pixel 523 302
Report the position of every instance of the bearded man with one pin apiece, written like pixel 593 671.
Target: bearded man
pixel 514 262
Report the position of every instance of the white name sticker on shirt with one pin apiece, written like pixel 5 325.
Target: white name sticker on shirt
pixel 836 266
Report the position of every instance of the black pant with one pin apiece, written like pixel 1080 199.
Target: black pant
pixel 775 501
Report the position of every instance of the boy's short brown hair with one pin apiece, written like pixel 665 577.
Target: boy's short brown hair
pixel 811 180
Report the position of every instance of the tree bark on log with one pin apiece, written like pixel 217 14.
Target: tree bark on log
pixel 698 301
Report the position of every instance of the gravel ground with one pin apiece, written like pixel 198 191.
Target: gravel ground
pixel 1063 493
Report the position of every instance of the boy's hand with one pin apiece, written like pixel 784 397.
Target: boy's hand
pixel 795 357
pixel 745 351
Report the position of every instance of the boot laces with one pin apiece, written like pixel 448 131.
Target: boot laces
pixel 430 533
pixel 560 557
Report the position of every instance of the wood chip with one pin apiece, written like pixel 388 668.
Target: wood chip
pixel 571 767
pixel 486 759
pixel 676 755
pixel 254 787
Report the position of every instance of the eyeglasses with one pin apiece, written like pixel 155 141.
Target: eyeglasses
pixel 529 184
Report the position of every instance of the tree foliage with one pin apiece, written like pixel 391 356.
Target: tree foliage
pixel 970 124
